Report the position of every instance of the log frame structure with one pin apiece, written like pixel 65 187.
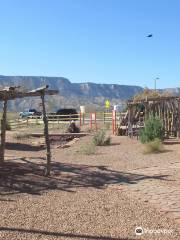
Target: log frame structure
pixel 12 93
pixel 166 108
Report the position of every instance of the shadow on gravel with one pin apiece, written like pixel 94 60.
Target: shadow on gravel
pixel 22 147
pixel 27 176
pixel 60 234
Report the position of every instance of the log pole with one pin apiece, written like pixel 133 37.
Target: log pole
pixel 3 132
pixel 46 135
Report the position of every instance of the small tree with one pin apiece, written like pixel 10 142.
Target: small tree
pixel 153 130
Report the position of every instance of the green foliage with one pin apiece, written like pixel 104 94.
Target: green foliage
pixel 88 149
pixel 100 138
pixel 153 129
pixel 153 146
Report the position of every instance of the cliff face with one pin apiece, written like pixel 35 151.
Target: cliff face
pixel 71 94
pixel 75 89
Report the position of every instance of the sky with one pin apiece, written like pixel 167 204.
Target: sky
pixel 101 41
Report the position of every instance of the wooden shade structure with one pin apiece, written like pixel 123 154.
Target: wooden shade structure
pixel 12 93
pixel 167 108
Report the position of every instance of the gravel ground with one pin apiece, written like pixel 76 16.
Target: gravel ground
pixel 80 200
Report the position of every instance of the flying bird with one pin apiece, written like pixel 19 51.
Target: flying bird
pixel 150 35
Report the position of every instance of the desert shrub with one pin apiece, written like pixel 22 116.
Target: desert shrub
pixel 88 149
pixel 100 138
pixel 154 146
pixel 153 129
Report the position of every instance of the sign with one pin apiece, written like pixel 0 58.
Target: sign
pixel 107 104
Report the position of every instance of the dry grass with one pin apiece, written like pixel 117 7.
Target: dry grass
pixel 87 149
pixel 10 115
pixel 151 93
pixel 155 146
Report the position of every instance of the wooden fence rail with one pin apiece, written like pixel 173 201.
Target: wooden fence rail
pixel 80 119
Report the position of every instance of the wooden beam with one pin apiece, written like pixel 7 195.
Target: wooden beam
pixel 40 89
pixel 3 132
pixel 61 134
pixel 11 93
pixel 155 99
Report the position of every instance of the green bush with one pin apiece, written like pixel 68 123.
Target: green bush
pixel 88 149
pixel 153 129
pixel 154 146
pixel 100 138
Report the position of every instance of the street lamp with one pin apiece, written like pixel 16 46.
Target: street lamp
pixel 155 80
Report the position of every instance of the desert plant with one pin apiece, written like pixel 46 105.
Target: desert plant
pixel 154 146
pixel 88 149
pixel 153 129
pixel 100 138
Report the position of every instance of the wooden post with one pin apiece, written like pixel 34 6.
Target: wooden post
pixel 104 116
pixel 90 120
pixel 80 119
pixel 178 114
pixel 95 122
pixel 3 132
pixel 83 118
pixel 46 135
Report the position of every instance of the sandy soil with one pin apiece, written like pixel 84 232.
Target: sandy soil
pixel 83 199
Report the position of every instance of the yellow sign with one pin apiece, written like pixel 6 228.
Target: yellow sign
pixel 107 104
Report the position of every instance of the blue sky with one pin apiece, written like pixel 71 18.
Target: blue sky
pixel 100 41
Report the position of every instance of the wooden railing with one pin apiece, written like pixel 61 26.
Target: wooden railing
pixel 80 119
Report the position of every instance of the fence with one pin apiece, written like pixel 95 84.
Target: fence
pixel 80 119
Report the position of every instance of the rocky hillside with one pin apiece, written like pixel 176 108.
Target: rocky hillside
pixel 66 88
pixel 71 94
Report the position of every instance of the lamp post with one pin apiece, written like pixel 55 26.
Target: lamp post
pixel 155 81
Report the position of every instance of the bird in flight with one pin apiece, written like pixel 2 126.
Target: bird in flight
pixel 150 35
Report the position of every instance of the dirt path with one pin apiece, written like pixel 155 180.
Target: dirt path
pixel 102 196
